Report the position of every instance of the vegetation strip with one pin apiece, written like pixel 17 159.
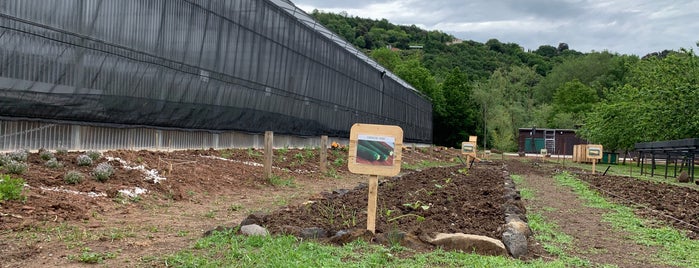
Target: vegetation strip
pixel 676 248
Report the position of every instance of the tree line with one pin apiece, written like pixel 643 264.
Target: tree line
pixel 492 89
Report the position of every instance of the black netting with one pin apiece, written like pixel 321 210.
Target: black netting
pixel 246 65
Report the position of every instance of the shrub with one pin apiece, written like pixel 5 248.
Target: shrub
pixel 84 160
pixel 4 159
pixel 94 155
pixel 53 163
pixel 103 171
pixel 11 188
pixel 46 155
pixel 61 151
pixel 15 167
pixel 19 155
pixel 73 177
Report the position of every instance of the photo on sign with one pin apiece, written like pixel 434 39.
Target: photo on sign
pixel 375 150
pixel 594 152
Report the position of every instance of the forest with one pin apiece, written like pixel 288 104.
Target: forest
pixel 492 89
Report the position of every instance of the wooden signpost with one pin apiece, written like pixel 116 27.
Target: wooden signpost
pixel 469 149
pixel 374 150
pixel 594 152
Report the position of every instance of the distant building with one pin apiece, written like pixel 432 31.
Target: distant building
pixel 555 141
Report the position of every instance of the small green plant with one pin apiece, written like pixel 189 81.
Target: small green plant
pixel 73 177
pixel 61 151
pixel 53 163
pixel 210 214
pixel 227 154
pixel 417 217
pixel 252 152
pixel 94 155
pixel 84 160
pixel 15 167
pixel 87 256
pixel 284 150
pixel 235 207
pixel 338 162
pixel 11 188
pixel 300 158
pixel 46 155
pixel 19 155
pixel 103 171
pixel 417 204
pixel 277 180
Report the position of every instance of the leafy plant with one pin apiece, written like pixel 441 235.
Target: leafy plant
pixel 87 256
pixel 279 181
pixel 46 155
pixel 103 171
pixel 53 163
pixel 19 155
pixel 11 188
pixel 61 151
pixel 4 159
pixel 73 177
pixel 84 160
pixel 417 204
pixel 253 153
pixel 94 155
pixel 15 167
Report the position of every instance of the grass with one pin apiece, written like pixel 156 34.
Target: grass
pixel 675 248
pixel 226 249
pixel 11 188
pixel 276 180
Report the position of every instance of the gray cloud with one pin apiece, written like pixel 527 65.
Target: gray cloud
pixel 627 26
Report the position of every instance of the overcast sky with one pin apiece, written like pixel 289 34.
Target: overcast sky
pixel 627 27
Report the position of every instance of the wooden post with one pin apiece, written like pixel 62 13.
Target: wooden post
pixel 593 165
pixel 269 138
pixel 371 208
pixel 323 154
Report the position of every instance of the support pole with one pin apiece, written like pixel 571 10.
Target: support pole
pixel 269 142
pixel 323 154
pixel 371 208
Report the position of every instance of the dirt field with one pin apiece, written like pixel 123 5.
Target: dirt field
pixel 190 192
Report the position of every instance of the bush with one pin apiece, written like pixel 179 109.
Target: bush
pixel 53 163
pixel 4 159
pixel 103 171
pixel 61 151
pixel 73 177
pixel 46 155
pixel 19 155
pixel 11 188
pixel 94 155
pixel 84 160
pixel 15 167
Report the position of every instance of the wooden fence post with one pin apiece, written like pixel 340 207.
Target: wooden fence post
pixel 323 154
pixel 269 137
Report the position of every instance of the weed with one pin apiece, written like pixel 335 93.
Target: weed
pixel 284 150
pixel 210 214
pixel 349 219
pixel 84 160
pixel 300 158
pixel 73 177
pixel 182 233
pixel 338 162
pixel 253 153
pixel 11 188
pixel 332 172
pixel 327 211
pixel 15 167
pixel 103 171
pixel 61 151
pixel 276 180
pixel 227 154
pixel 87 256
pixel 53 163
pixel 46 155
pixel 417 217
pixel 235 207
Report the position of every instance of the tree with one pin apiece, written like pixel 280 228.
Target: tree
pixel 461 114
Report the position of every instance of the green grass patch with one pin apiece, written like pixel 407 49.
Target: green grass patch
pixel 675 248
pixel 226 249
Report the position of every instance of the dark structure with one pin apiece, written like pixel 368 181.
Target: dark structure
pixel 213 65
pixel 555 141
pixel 674 151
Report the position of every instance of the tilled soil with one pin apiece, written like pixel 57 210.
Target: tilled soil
pixel 203 189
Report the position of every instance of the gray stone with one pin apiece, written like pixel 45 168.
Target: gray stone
pixel 478 244
pixel 253 229
pixel 314 233
pixel 343 237
pixel 684 177
pixel 515 238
